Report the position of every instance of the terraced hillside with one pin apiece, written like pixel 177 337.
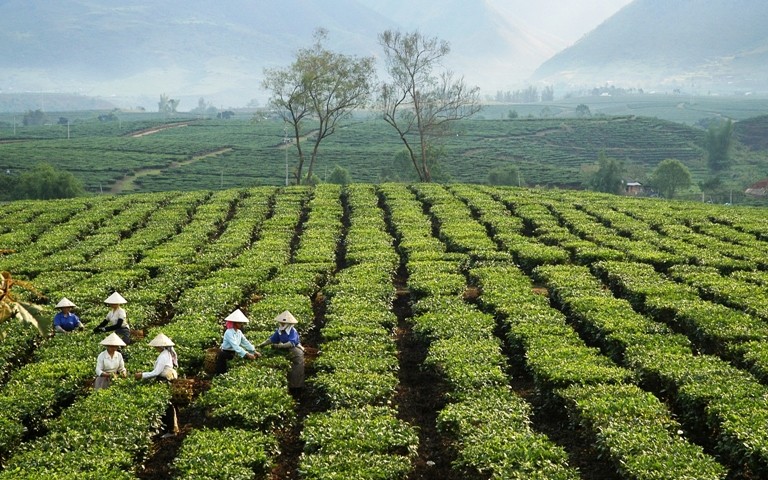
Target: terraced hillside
pixel 751 132
pixel 452 332
pixel 548 152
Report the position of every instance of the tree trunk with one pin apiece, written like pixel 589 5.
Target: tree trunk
pixel 300 167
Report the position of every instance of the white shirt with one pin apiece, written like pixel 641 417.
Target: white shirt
pixel 113 364
pixel 163 360
pixel 114 315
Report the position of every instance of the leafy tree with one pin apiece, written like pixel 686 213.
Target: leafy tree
pixel 711 185
pixel 608 177
pixel 202 106
pixel 108 117
pixel 340 176
pixel 548 94
pixel 582 111
pixel 718 145
pixel 167 105
pixel 529 95
pixel 7 186
pixel 313 180
pixel 37 117
pixel 322 86
pixel 505 175
pixel 44 182
pixel 401 168
pixel 419 104
pixel 670 176
pixel 512 114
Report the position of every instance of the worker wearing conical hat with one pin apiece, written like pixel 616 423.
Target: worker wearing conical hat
pixel 116 319
pixel 167 361
pixel 165 370
pixel 66 320
pixel 234 341
pixel 287 338
pixel 109 363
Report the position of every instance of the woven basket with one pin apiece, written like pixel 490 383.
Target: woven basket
pixel 209 362
pixel 182 391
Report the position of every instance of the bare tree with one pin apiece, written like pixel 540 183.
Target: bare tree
pixel 419 104
pixel 318 90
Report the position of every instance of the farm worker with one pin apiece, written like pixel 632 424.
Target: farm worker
pixel 115 320
pixel 109 363
pixel 165 370
pixel 286 338
pixel 234 341
pixel 65 319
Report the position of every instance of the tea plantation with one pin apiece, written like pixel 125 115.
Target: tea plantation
pixel 451 331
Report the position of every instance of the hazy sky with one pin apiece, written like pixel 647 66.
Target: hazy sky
pixel 520 34
pixel 532 30
pixel 564 21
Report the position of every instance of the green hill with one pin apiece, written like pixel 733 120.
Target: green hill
pixel 752 132
pixel 208 154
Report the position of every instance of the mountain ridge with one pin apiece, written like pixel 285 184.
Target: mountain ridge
pixel 132 53
pixel 698 45
pixel 194 48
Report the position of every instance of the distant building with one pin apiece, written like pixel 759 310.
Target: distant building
pixel 633 189
pixel 759 189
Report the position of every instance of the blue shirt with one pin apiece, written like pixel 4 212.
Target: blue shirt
pixel 67 322
pixel 288 335
pixel 235 340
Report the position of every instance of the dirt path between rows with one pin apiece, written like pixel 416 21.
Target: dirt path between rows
pixel 150 131
pixel 128 182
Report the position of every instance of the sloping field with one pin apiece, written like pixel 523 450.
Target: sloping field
pixel 451 331
pixel 548 152
pixel 751 132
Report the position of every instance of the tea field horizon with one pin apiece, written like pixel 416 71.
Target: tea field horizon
pixel 457 330
pixel 546 144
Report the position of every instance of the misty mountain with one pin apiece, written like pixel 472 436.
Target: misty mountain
pixel 694 45
pixel 142 47
pixel 134 50
pixel 489 46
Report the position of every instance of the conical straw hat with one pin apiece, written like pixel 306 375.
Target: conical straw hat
pixel 115 299
pixel 286 317
pixel 237 316
pixel 113 340
pixel 161 341
pixel 65 302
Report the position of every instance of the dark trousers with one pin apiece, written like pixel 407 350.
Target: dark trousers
pixel 221 360
pixel 124 334
pixel 170 420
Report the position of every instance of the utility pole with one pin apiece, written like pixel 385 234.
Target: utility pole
pixel 285 147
